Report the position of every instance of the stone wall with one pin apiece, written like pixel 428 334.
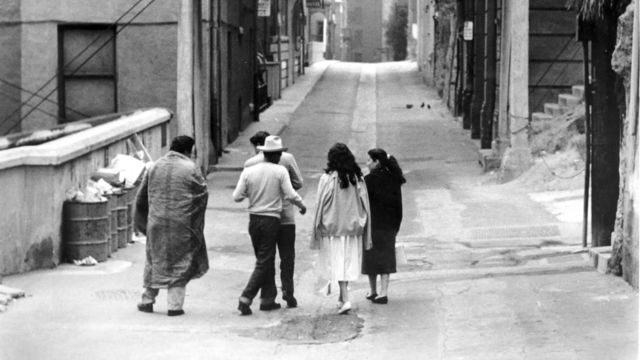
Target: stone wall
pixel 625 237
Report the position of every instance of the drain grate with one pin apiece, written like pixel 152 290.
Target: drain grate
pixel 118 294
pixel 312 329
pixel 516 232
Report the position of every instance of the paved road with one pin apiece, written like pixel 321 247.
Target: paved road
pixel 491 273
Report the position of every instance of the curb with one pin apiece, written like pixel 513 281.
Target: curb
pixel 600 258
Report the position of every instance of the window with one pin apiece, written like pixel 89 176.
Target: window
pixel 87 71
pixel 318 33
pixel 357 38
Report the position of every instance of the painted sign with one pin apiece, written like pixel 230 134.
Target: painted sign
pixel 264 8
pixel 467 32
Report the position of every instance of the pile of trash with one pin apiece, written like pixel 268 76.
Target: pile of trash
pixel 7 295
pixel 124 171
pixel 107 198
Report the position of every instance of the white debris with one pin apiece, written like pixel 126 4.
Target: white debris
pixel 88 261
pixel 14 293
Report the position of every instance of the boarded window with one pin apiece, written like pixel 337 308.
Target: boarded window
pixel 87 71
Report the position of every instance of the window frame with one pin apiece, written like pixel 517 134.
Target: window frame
pixel 63 78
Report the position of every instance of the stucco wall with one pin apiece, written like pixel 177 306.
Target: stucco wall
pixel 35 180
pixel 146 51
pixel 10 38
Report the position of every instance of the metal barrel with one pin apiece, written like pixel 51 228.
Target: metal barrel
pixel 113 222
pixel 131 200
pixel 121 214
pixel 109 232
pixel 86 230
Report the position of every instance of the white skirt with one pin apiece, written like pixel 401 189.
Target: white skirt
pixel 340 258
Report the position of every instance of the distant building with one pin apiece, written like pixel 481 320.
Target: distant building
pixel 364 32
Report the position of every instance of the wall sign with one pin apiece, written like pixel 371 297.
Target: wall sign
pixel 467 31
pixel 264 8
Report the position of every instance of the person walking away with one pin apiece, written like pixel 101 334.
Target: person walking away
pixel 341 225
pixel 286 238
pixel 169 209
pixel 265 185
pixel 384 183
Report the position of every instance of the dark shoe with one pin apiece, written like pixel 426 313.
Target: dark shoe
pixel 244 308
pixel 148 308
pixel 269 307
pixel 381 300
pixel 291 301
pixel 175 312
pixel 371 297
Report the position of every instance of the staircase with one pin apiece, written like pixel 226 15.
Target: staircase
pixel 566 103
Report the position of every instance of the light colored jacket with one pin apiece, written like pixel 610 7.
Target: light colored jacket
pixel 265 185
pixel 287 160
pixel 341 212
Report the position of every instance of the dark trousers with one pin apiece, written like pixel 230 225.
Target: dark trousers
pixel 263 231
pixel 286 248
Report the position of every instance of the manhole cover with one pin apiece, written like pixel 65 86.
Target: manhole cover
pixel 118 294
pixel 312 329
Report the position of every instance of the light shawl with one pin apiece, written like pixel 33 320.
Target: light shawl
pixel 341 212
pixel 170 209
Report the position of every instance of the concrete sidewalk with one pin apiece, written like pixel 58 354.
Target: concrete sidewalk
pixel 273 120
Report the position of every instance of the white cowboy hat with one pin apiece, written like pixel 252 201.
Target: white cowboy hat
pixel 272 144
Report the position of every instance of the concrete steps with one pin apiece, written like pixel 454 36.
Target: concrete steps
pixel 540 121
pixel 578 91
pixel 568 100
pixel 555 109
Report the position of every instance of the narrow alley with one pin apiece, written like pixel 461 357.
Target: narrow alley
pixel 493 271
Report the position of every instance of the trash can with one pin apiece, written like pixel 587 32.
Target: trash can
pixel 113 223
pixel 131 201
pixel 121 215
pixel 86 230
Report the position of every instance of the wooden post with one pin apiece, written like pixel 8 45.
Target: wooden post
pixel 488 105
pixel 517 157
pixel 501 137
pixel 478 71
pixel 469 70
pixel 606 131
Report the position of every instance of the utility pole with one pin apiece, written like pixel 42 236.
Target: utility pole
pixel 517 157
pixel 488 105
pixel 478 71
pixel 190 87
pixel 501 137
pixel 606 130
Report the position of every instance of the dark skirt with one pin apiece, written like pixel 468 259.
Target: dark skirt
pixel 381 258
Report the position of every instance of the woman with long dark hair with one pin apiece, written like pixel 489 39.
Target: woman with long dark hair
pixel 341 226
pixel 384 183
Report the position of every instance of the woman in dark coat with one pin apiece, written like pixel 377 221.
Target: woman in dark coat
pixel 385 197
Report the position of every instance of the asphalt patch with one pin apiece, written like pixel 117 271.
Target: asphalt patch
pixel 311 329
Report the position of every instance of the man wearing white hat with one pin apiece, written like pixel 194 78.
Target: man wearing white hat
pixel 265 184
pixel 286 239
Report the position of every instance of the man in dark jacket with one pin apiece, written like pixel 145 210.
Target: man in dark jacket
pixel 170 208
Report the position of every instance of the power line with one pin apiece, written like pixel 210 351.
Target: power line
pixel 9 96
pixel 39 96
pixel 115 23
